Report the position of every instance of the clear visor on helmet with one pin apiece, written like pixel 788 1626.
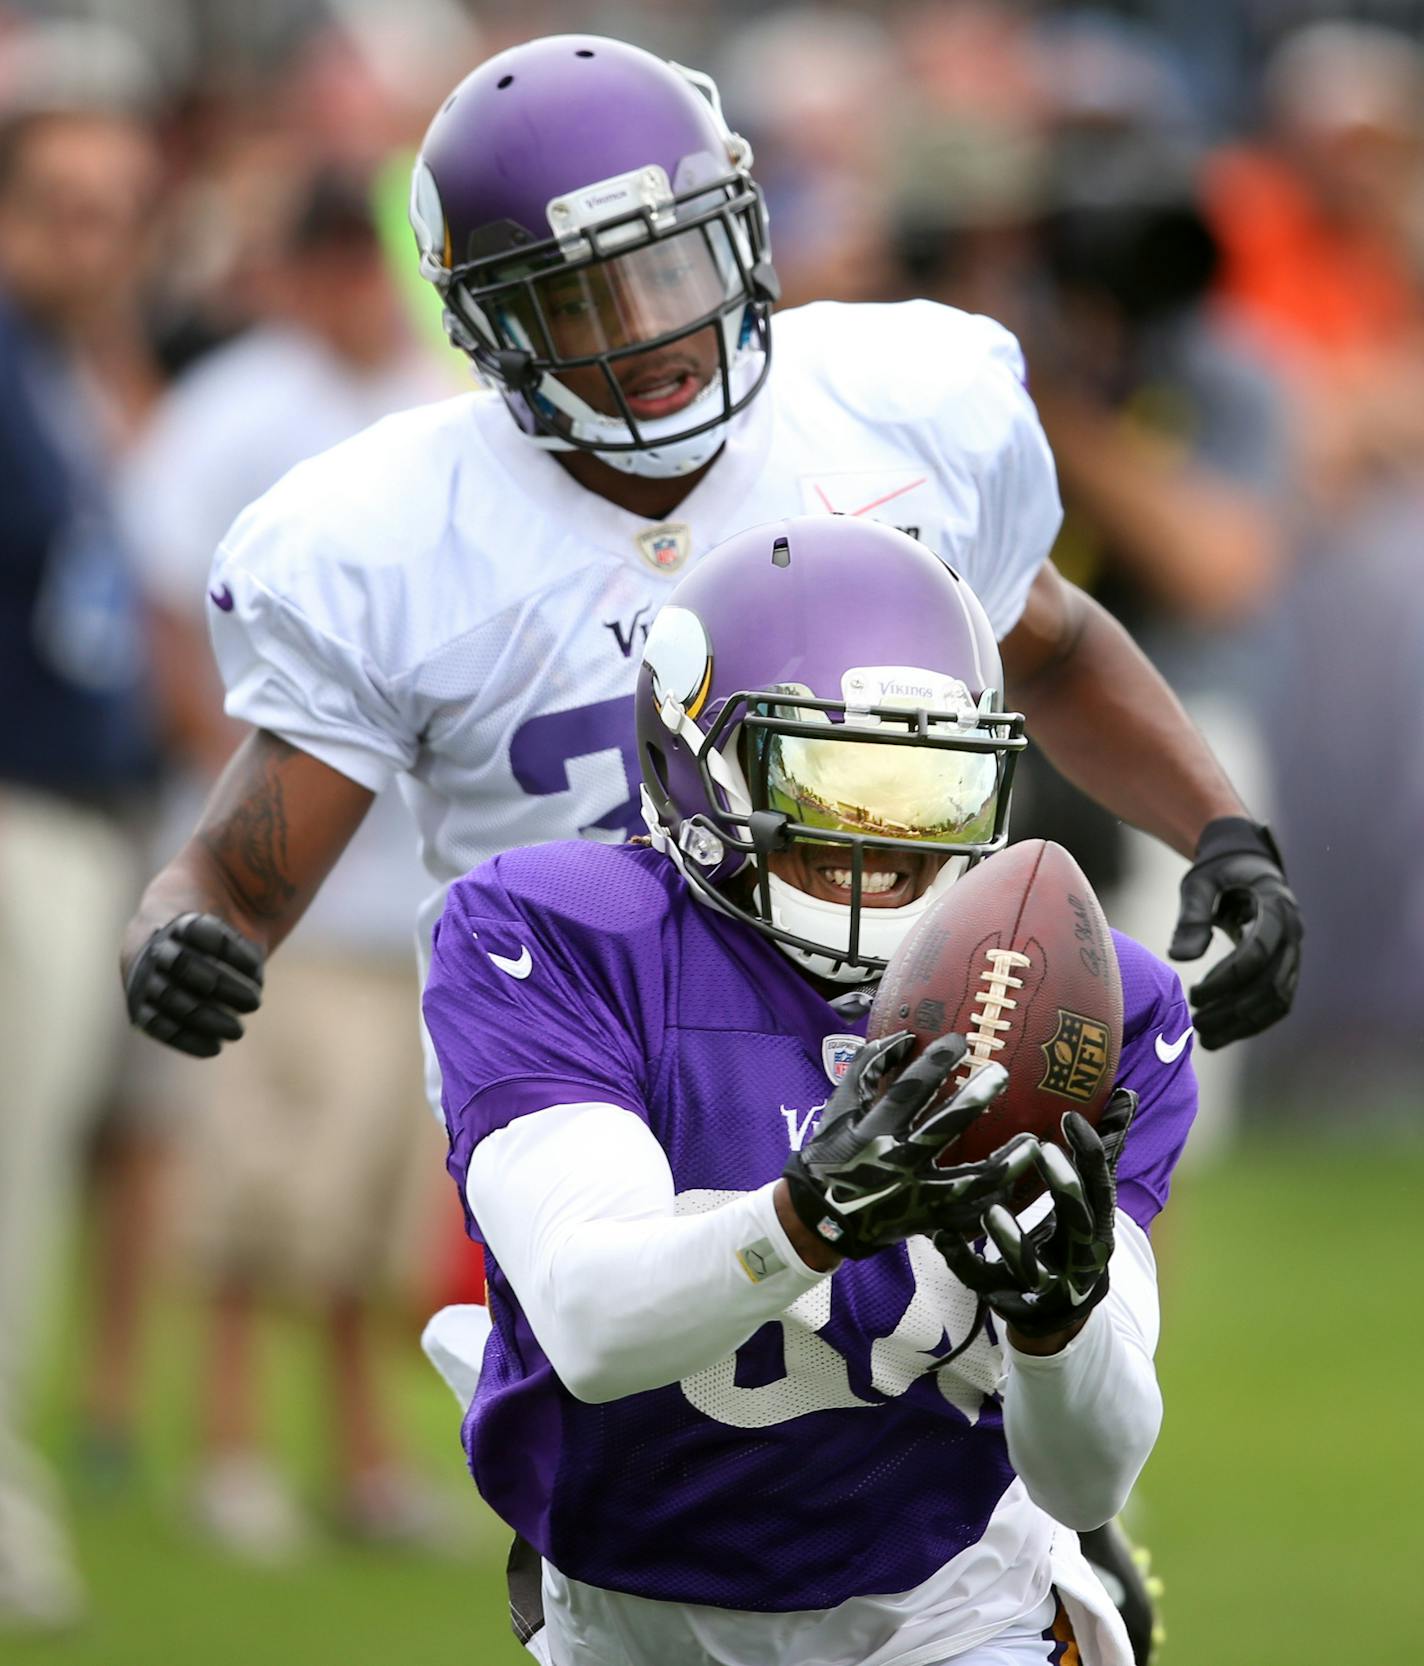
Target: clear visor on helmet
pixel 896 792
pixel 624 300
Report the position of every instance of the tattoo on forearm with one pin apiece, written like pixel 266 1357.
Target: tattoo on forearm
pixel 249 845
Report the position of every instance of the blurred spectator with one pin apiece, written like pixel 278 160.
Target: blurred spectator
pixel 360 95
pixel 312 1156
pixel 90 66
pixel 77 172
pixel 1168 434
pixel 813 88
pixel 363 85
pixel 969 160
pixel 1321 225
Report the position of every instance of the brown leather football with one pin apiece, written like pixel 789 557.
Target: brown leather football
pixel 1017 957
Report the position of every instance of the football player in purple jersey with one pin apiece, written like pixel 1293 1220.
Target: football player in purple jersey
pixel 758 1389
pixel 455 598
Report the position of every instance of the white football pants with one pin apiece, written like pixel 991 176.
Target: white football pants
pixel 1023 1644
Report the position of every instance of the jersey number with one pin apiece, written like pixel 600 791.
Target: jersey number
pixel 587 738
pixel 816 1376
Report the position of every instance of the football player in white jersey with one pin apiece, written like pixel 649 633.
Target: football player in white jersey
pixel 456 597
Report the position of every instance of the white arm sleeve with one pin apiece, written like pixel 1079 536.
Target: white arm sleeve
pixel 577 1205
pixel 1082 1423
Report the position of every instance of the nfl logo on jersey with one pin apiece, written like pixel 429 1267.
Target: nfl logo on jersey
pixel 666 547
pixel 836 1053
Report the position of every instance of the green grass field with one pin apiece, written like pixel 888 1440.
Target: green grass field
pixel 1281 1504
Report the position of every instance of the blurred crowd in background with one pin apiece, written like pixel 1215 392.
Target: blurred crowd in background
pixel 1205 221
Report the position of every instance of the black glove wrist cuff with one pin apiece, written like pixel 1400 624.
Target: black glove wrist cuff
pixel 812 1210
pixel 1034 1321
pixel 1235 836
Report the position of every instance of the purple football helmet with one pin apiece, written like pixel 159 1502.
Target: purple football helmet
pixel 826 681
pixel 594 231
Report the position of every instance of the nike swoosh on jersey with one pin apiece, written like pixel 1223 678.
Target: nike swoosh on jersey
pixel 519 968
pixel 1170 1051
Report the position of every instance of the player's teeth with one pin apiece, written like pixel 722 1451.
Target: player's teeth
pixel 872 883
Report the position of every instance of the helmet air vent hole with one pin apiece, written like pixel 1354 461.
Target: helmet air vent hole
pixel 504 81
pixel 781 553
pixel 583 52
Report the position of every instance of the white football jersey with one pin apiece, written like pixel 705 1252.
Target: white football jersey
pixel 438 599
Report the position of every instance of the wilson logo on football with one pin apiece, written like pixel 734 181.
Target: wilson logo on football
pixel 1076 1055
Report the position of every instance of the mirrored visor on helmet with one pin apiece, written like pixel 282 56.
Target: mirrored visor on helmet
pixel 620 302
pixel 897 792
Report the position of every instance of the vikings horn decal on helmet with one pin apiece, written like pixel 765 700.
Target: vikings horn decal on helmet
pixel 594 231
pixel 825 683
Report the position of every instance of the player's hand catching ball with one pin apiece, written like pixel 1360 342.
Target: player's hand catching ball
pixel 191 980
pixel 868 1176
pixel 1049 1279
pixel 1237 882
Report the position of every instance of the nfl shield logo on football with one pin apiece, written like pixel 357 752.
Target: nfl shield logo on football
pixel 666 547
pixel 836 1053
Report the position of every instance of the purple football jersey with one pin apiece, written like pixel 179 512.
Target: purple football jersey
pixel 574 972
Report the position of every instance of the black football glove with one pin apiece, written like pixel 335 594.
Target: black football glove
pixel 867 1177
pixel 1055 1274
pixel 189 982
pixel 1238 882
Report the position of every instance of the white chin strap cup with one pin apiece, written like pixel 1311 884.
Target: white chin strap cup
pixel 659 458
pixel 667 462
pixel 882 930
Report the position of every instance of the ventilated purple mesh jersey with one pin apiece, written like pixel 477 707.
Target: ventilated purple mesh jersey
pixel 834 1457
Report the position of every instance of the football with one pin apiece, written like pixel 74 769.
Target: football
pixel 1017 957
